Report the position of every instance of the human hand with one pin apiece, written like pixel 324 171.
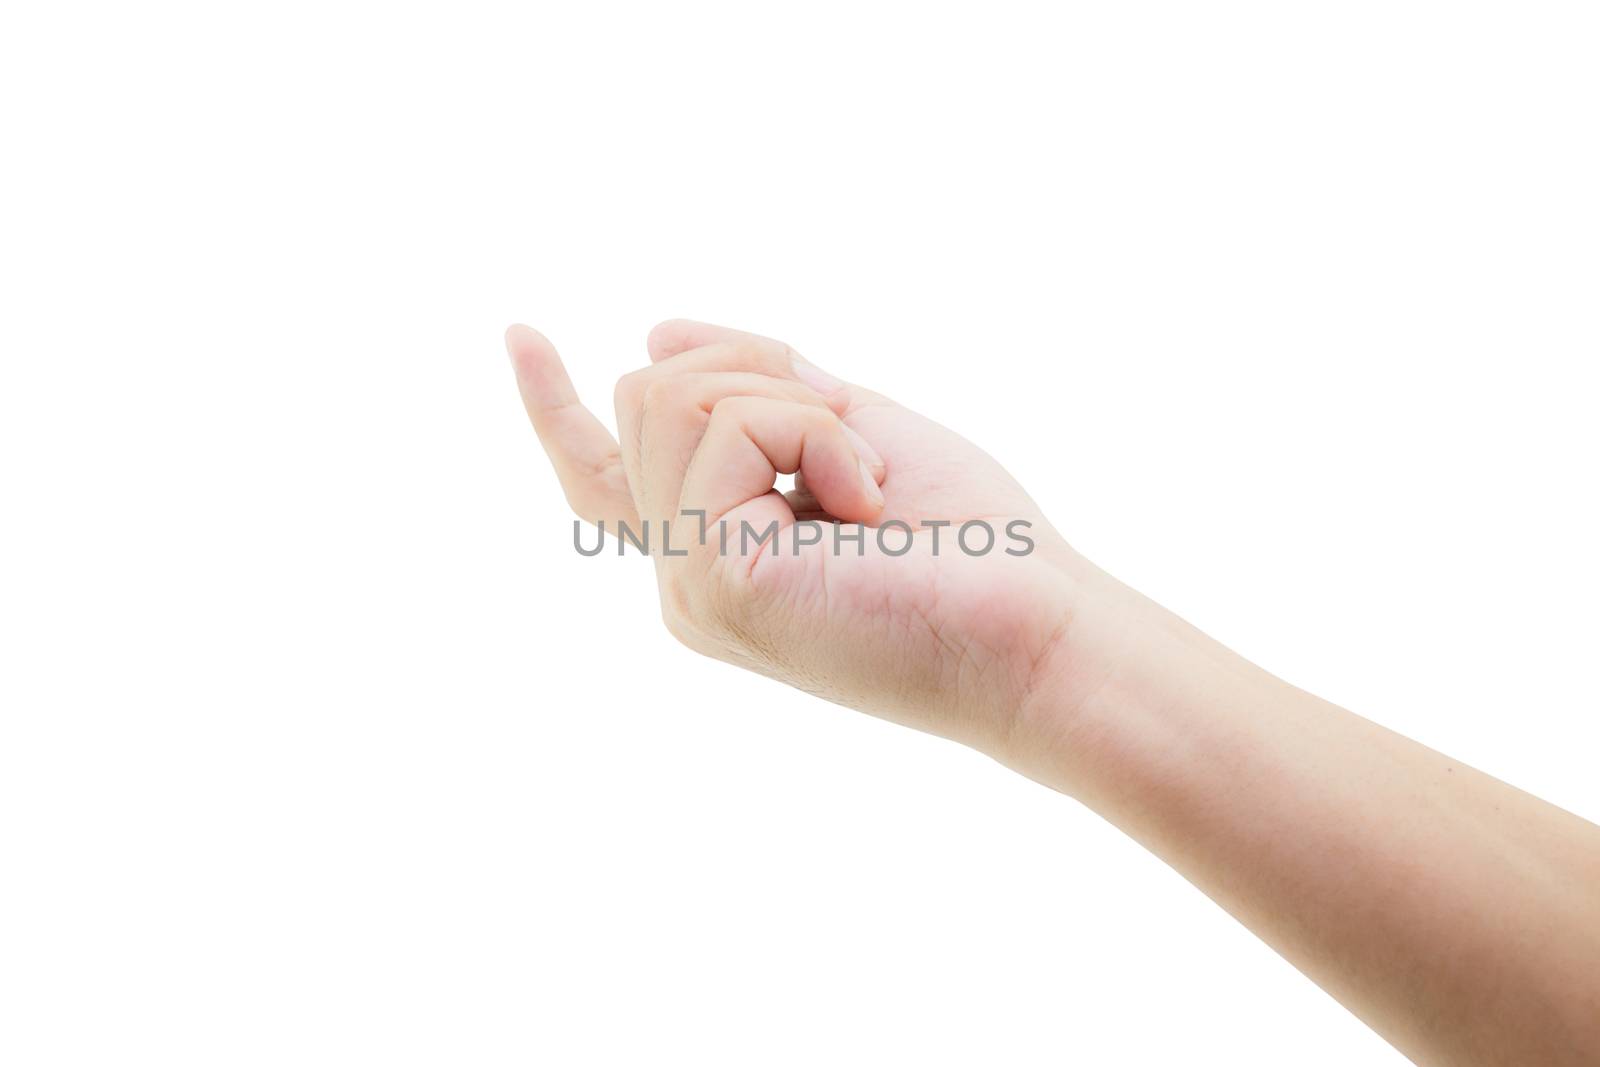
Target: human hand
pixel 945 629
pixel 1371 862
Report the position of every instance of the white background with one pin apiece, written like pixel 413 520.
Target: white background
pixel 319 744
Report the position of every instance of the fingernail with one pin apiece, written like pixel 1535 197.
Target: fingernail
pixel 820 380
pixel 874 494
pixel 868 454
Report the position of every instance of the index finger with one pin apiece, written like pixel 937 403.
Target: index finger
pixel 584 454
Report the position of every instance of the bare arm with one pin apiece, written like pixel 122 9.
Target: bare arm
pixel 1457 916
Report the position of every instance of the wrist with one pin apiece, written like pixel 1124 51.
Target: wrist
pixel 1122 684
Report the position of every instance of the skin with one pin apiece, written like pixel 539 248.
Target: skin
pixel 1456 915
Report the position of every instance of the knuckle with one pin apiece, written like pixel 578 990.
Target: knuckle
pixel 819 417
pixel 662 407
pixel 804 394
pixel 659 393
pixel 630 389
pixel 772 359
pixel 756 356
pixel 728 409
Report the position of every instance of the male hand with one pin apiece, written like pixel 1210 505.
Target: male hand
pixel 943 629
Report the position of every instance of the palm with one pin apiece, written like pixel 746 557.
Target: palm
pixel 934 628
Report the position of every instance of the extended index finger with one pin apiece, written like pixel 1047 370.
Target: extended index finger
pixel 584 454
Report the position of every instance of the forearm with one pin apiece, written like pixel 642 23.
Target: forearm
pixel 1456 915
pixel 1459 917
